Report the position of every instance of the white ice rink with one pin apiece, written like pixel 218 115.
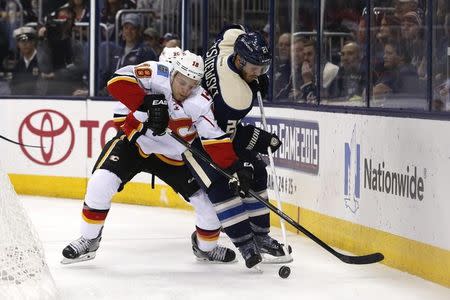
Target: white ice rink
pixel 146 254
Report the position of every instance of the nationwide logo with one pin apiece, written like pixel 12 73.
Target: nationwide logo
pixel 300 143
pixel 352 173
pixel 380 179
pixel 377 177
pixel 52 131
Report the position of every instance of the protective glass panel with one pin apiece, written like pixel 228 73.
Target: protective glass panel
pixel 398 55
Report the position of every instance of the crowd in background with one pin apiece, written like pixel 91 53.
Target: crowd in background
pixel 398 55
pixel 51 57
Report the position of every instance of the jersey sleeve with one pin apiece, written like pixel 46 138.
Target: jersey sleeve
pixel 214 140
pixel 129 84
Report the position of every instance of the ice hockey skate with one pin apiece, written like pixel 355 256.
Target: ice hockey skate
pixel 219 254
pixel 81 249
pixel 251 254
pixel 272 251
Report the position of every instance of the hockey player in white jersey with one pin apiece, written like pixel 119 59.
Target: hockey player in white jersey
pixel 151 92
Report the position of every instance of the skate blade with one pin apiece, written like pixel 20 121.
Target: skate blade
pixel 215 262
pixel 269 259
pixel 85 257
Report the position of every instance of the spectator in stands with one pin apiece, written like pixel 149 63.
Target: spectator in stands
pixel 308 73
pixel 173 43
pixel 412 34
pixel 390 29
pixel 152 40
pixel 170 38
pixel 351 78
pixel 63 61
pixel 81 9
pixel 284 48
pixel 282 63
pixel 399 76
pixel 132 50
pixel 265 33
pixel 26 72
pixel 290 87
pixel 108 15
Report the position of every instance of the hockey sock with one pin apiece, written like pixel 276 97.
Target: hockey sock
pixel 207 239
pixel 92 221
pixel 259 214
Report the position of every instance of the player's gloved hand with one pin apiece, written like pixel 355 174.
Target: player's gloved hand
pixel 261 85
pixel 157 110
pixel 252 138
pixel 244 171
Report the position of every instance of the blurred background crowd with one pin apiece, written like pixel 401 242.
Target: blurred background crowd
pixel 379 53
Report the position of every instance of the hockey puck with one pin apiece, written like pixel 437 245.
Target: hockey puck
pixel 284 271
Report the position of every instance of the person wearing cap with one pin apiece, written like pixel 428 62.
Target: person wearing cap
pixel 26 72
pixel 132 49
pixel 152 40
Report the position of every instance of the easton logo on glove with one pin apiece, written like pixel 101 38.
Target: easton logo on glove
pixel 157 112
pixel 159 102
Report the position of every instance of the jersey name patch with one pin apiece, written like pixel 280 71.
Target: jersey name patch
pixel 163 70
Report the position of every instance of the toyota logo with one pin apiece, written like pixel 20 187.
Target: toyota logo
pixel 52 131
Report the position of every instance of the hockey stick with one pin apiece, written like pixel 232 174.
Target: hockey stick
pixel 274 174
pixel 349 259
pixel 17 143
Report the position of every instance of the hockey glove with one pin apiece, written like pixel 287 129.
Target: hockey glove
pixel 261 85
pixel 157 111
pixel 244 172
pixel 252 138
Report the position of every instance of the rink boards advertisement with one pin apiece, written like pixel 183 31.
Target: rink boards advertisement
pixel 375 174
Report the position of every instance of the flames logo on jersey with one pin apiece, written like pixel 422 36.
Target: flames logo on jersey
pixel 183 127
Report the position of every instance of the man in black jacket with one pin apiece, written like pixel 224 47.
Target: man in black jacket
pixel 26 72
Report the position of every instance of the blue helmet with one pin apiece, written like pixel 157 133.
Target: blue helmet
pixel 252 48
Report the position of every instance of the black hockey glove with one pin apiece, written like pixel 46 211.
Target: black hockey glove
pixel 244 171
pixel 157 111
pixel 261 85
pixel 252 138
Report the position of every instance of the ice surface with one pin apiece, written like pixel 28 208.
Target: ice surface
pixel 146 254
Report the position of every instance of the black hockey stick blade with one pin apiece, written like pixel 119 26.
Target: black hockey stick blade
pixel 17 143
pixel 363 259
pixel 349 259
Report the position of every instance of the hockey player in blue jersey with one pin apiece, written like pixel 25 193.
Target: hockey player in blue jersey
pixel 235 69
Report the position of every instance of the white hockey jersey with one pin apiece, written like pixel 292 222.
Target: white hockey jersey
pixel 192 117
